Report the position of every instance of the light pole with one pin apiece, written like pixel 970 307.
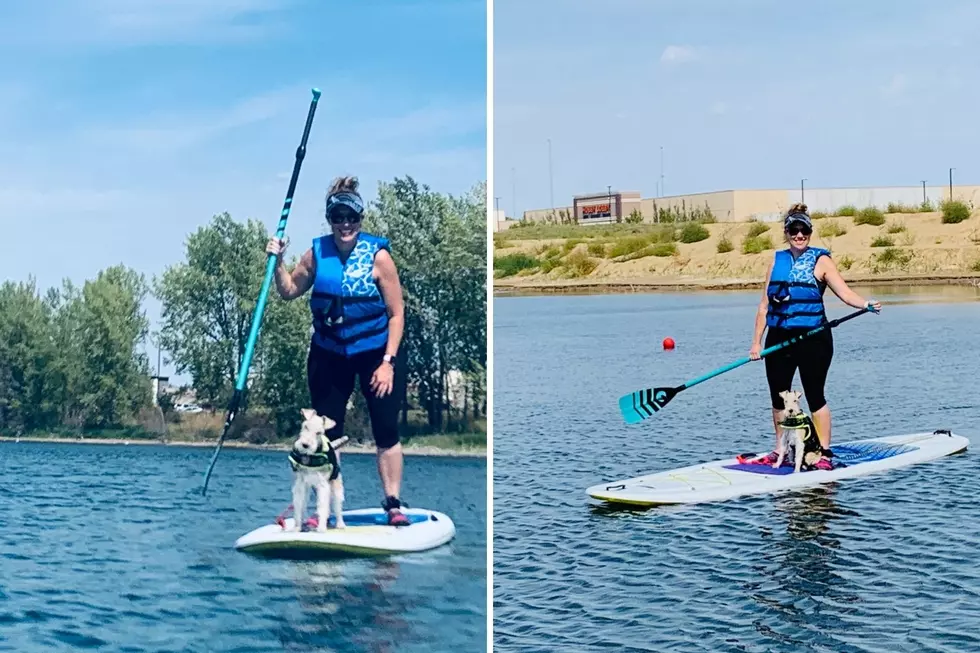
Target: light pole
pixel 551 178
pixel 513 193
pixel 801 190
pixel 951 184
pixel 923 191
pixel 661 171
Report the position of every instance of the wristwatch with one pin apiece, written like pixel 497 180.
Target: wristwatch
pixel 388 358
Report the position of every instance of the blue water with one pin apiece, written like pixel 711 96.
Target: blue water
pixel 882 563
pixel 112 548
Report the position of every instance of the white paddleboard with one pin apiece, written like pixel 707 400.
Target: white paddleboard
pixel 727 479
pixel 367 534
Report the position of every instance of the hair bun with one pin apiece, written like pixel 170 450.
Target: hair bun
pixel 344 185
pixel 799 207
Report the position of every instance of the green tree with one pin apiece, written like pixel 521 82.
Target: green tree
pixel 439 245
pixel 208 302
pixel 114 371
pixel 26 353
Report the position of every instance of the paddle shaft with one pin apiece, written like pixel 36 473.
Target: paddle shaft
pixel 270 269
pixel 773 349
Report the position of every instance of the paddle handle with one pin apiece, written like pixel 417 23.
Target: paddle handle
pixel 775 348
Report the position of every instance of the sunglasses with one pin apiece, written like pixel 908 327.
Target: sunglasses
pixel 795 231
pixel 342 215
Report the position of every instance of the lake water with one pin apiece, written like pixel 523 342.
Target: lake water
pixel 112 548
pixel 878 564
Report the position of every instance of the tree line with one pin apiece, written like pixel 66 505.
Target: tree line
pixel 72 358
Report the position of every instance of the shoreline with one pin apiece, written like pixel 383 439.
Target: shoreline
pixel 361 449
pixel 691 284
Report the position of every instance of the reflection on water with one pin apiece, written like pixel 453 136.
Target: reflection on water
pixel 337 605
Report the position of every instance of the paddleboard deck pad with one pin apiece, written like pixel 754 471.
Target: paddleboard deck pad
pixel 367 533
pixel 721 480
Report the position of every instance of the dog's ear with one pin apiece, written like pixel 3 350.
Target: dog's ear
pixel 327 423
pixel 798 395
pixel 308 413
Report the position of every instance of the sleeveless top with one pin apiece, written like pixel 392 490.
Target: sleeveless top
pixel 349 313
pixel 795 295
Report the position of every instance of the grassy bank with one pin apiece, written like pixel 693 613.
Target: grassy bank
pixel 869 246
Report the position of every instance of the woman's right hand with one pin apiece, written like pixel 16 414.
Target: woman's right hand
pixel 755 352
pixel 276 247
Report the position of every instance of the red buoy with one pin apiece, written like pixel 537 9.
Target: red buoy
pixel 668 343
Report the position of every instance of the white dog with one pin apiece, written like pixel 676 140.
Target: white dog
pixel 798 430
pixel 316 465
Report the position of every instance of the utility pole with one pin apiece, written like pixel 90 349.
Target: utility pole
pixel 513 193
pixel 661 171
pixel 951 184
pixel 923 191
pixel 801 190
pixel 551 178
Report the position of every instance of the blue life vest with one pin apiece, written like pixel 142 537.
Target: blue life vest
pixel 349 313
pixel 795 295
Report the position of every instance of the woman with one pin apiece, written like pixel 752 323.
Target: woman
pixel 792 304
pixel 358 320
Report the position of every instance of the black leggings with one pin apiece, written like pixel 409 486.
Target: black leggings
pixel 331 381
pixel 811 356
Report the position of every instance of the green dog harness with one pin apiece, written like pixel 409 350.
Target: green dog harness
pixel 323 457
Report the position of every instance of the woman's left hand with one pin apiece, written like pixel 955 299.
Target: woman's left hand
pixel 383 378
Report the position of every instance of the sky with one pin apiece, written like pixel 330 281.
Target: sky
pixel 754 94
pixel 125 126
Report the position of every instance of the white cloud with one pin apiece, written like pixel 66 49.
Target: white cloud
pixel 108 23
pixel 173 132
pixel 676 54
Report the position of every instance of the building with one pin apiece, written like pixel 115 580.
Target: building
pixel 745 205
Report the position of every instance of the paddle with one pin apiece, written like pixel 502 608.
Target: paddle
pixel 270 268
pixel 642 404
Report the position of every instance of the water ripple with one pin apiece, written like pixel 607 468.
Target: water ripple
pixel 112 548
pixel 875 564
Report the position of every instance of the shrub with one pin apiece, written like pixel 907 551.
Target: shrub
pixel 628 245
pixel 818 215
pixel 756 244
pixel 891 257
pixel 597 249
pixel 635 217
pixel 898 227
pixel 511 264
pixel 870 215
pixel 831 229
pixel 847 210
pixel 976 266
pixel 954 211
pixel 694 232
pixel 882 241
pixel 725 245
pixel 664 249
pixel 898 207
pixel 845 262
pixel 926 207
pixel 757 229
pixel 580 265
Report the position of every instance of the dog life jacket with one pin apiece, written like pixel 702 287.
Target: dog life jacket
pixel 324 456
pixel 795 295
pixel 799 423
pixel 349 313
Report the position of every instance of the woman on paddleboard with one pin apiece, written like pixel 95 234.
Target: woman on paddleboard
pixel 358 320
pixel 792 304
